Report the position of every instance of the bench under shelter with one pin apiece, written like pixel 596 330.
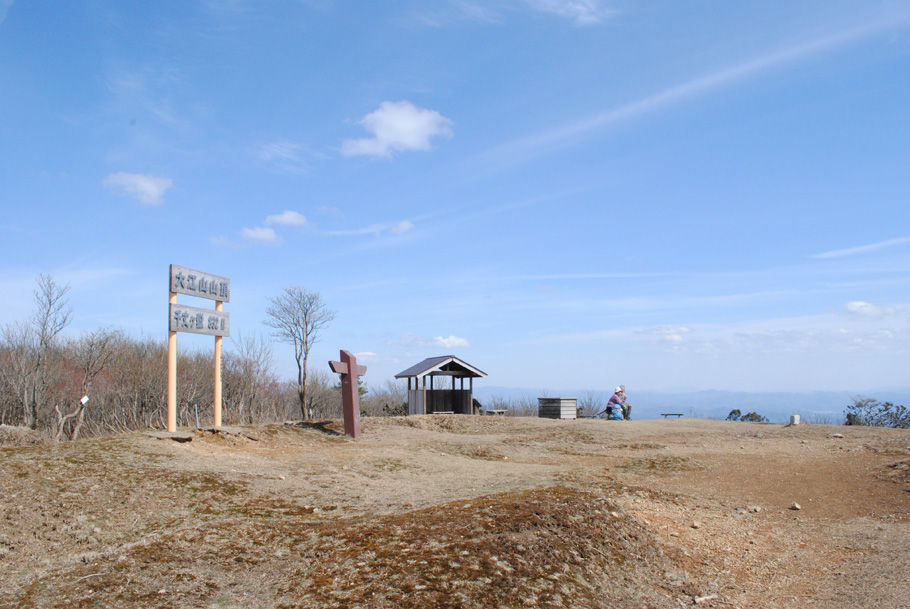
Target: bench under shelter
pixel 437 395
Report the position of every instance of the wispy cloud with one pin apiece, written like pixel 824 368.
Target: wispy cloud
pixel 526 148
pixel 458 11
pixel 398 126
pixel 582 276
pixel 287 218
pixel 146 188
pixel 286 156
pixel 579 12
pixel 146 93
pixel 402 227
pixel 4 7
pixel 582 12
pixel 394 228
pixel 831 332
pixel 862 249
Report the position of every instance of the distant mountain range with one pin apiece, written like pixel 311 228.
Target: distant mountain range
pixel 813 407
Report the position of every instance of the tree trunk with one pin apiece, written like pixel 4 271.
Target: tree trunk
pixel 78 426
pixel 309 413
pixel 26 419
pixel 301 387
pixel 31 410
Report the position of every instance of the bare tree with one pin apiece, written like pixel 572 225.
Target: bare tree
pixel 297 316
pixel 17 367
pixel 92 353
pixel 590 403
pixel 52 315
pixel 247 373
pixel 30 346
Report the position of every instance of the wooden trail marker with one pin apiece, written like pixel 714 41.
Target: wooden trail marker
pixel 350 396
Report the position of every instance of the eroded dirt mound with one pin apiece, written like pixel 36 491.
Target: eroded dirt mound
pixel 546 548
pixel 20 436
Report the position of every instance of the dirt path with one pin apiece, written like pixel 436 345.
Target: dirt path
pixel 457 511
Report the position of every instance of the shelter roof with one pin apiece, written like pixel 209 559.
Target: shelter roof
pixel 443 365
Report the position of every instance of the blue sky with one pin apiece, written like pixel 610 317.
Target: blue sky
pixel 580 193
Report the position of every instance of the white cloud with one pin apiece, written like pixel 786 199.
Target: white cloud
pixel 582 12
pixel 414 340
pixel 450 341
pixel 862 249
pixel 867 309
pixel 263 235
pixel 260 234
pixel 146 188
pixel 402 227
pixel 287 218
pixel 398 126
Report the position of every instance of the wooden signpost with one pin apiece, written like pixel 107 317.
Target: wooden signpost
pixel 350 394
pixel 182 318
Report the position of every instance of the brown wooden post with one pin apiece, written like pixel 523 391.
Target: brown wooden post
pixel 350 395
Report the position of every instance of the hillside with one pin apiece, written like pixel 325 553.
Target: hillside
pixel 458 511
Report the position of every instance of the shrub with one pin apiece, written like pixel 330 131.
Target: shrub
pixel 869 411
pixel 749 417
pixel 753 417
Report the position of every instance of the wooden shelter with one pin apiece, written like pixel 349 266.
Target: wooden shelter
pixel 437 397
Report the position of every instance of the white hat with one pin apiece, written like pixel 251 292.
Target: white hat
pixel 620 388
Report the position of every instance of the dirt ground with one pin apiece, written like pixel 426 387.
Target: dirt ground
pixel 461 511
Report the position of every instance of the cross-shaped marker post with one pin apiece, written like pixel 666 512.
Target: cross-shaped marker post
pixel 350 396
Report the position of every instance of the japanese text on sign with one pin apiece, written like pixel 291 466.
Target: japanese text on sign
pixel 197 283
pixel 199 321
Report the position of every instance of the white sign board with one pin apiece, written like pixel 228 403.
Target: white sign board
pixel 197 283
pixel 199 321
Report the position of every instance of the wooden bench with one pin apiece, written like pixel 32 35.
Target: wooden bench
pixel 671 414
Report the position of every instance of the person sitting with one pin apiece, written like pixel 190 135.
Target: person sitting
pixel 618 402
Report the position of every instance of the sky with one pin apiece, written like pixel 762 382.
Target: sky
pixel 563 193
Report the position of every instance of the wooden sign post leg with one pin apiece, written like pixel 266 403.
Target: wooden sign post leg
pixel 219 306
pixel 172 373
